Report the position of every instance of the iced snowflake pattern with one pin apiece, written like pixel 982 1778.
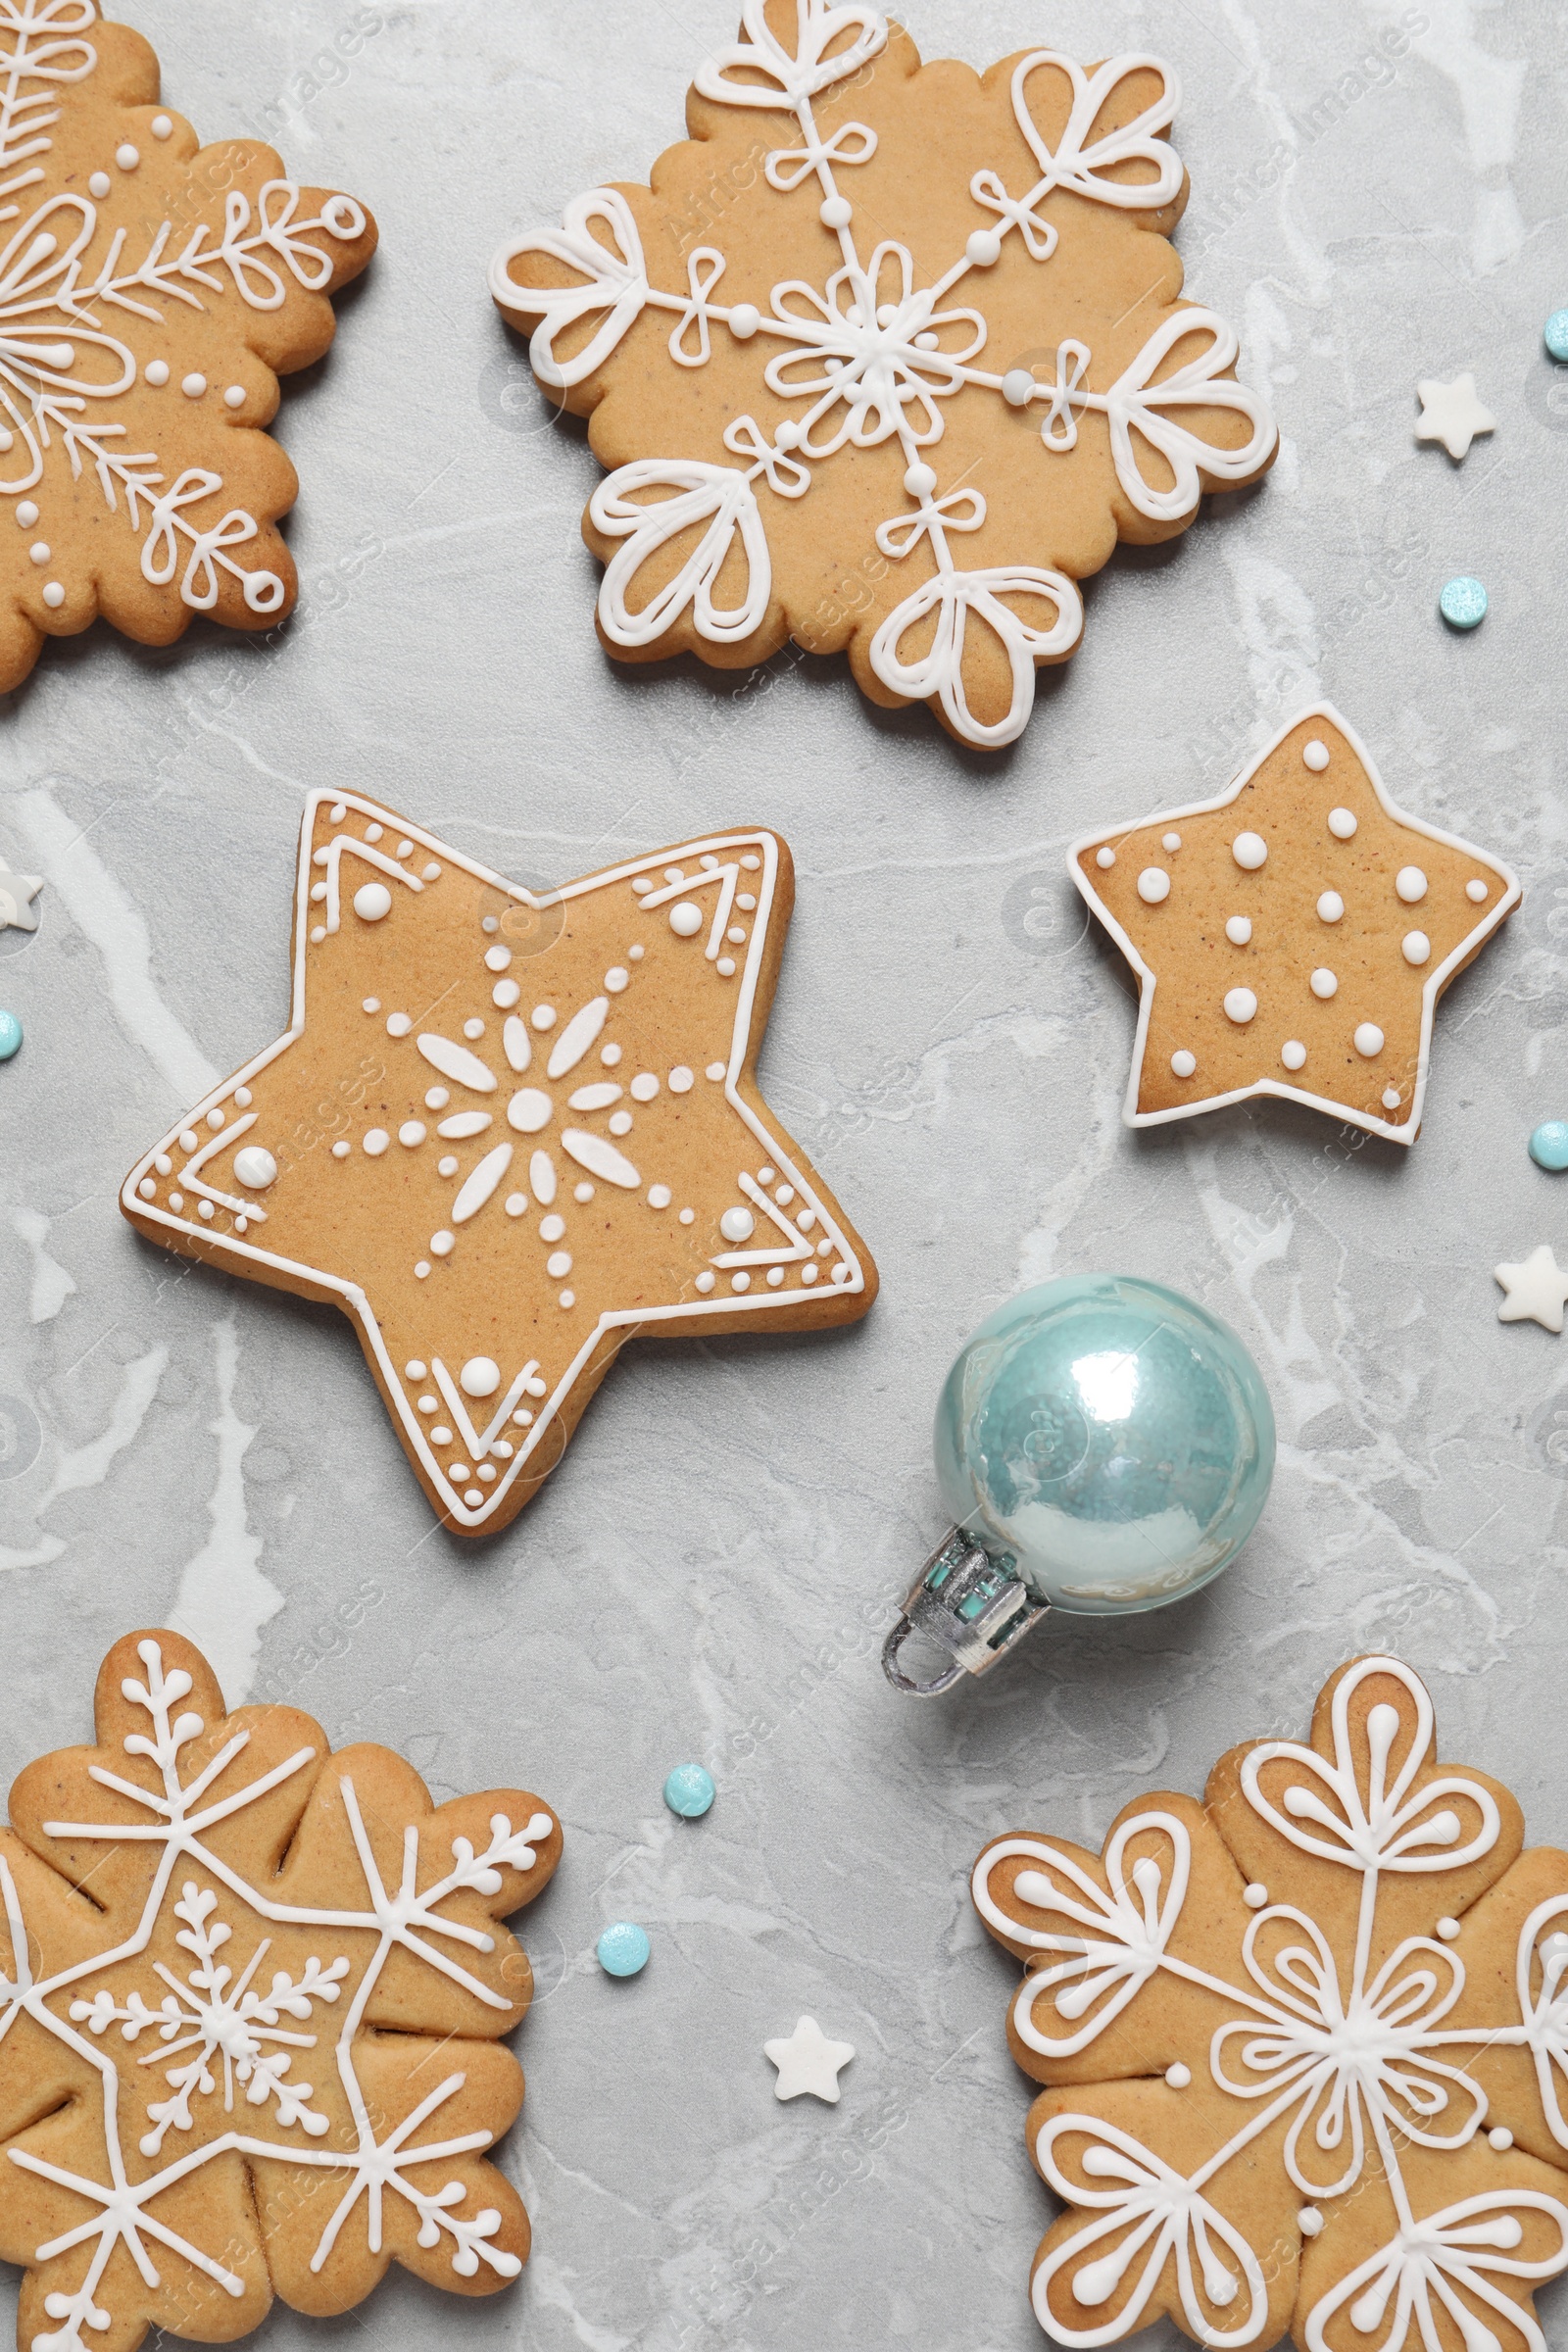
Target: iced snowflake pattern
pixel 124 254
pixel 98 2206
pixel 1305 2045
pixel 871 356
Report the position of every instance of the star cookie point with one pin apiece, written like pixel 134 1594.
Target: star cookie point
pixel 507 1131
pixel 1291 936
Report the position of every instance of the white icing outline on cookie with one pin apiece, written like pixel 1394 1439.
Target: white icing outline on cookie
pixel 1401 1131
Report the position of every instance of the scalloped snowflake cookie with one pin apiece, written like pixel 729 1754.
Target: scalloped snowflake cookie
pixel 1306 2046
pixel 887 360
pixel 250 2001
pixel 152 291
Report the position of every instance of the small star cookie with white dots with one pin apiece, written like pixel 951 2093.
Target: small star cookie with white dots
pixel 507 1131
pixel 152 292
pixel 1292 936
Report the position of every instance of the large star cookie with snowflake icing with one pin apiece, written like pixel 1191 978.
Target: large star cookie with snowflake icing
pixel 1292 936
pixel 151 292
pixel 1306 2046
pixel 887 359
pixel 507 1133
pixel 250 2001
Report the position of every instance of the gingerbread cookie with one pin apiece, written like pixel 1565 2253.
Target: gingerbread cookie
pixel 508 1132
pixel 887 359
pixel 1292 936
pixel 150 293
pixel 1305 2045
pixel 251 1997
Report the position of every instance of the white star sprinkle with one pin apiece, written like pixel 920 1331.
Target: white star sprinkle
pixel 1453 414
pixel 1536 1289
pixel 16 894
pixel 808 2063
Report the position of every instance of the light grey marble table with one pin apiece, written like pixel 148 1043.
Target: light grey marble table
pixel 710 1573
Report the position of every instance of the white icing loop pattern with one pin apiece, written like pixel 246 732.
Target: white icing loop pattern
pixel 832 42
pixel 616 284
pixel 716 496
pixel 1425 2286
pixel 953 596
pixel 1084 164
pixel 1136 403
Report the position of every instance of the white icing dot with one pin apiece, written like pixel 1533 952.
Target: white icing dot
pixel 318 935
pixel 432 872
pixel 737 1224
pixel 255 1168
pixel 164 1165
pixel 176 1200
pixel 1391 1098
pixel 1183 1063
pixel 841 1272
pixel 688 1216
pixel 529 1109
pixel 1240 1005
pixel 751 863
pixel 480 1377
pixel 551 1229
pixel 582 1191
pixel 375 1143
pixel 398 1024
pixel 725 967
pixel 1018 388
pixel 1178 2076
pixel 204 1208
pixel 1476 891
pixel 339 808
pixel 27 515
pixel 1310 2221
pixel 660 1196
pixel 1250 849
pixel 215 1120
pixel 1323 983
pixel 1171 842
pixel 643 1087
pixel 984 250
pixel 685 918
pixel 1239 930
pixel 1316 755
pixel 1255 1897
pixel 705 1282
pixel 54 596
pixel 189 1140
pixel 682 1080
pixel 543 1016
pixel 127 157
pixel 736 935
pixel 99 185
pixel 611 1057
pixel 516 1204
pixel 1342 823
pixel 837 213
pixel 1368 1040
pixel 616 978
pixel 1501 2137
pixel 157 373
pixel 422 1270
pixel 475 1495
pixel 737 1282
pixel 448 1166
pixel 147 1189
pixel 410 1134
pixel 1153 885
pixel 744 321
pixel 807 1275
pixel 473 1029
pixel 372 1005
pixel 415 1370
pixel 437 1098
pixel 496 958
pixel 1105 859
pixel 715 1070
pixel 1330 907
pixel 234 397
pixel 242 1095
pixel 41 551
pixel 1416 947
pixel 193 386
pixel 161 126
pixel 442 1244
pixel 1448 1929
pixel 620 1123
pixel 558 1265
pixel 505 995
pixel 1411 884
pixel 372 902
pixel 775 1275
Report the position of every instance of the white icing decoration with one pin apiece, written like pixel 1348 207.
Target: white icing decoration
pixel 376 1142
pixel 1315 756
pixel 1239 930
pixel 1411 884
pixel 1105 859
pixel 600 1158
pixel 480 1377
pixel 1536 1290
pixel 255 1168
pixel 529 1110
pixel 1330 907
pixel 410 1134
pixel 516 1044
pixel 1250 851
pixel 1368 1040
pixel 1171 842
pixel 1153 885
pixel 1179 2076
pixel 737 1224
pixel 479 1187
pixel 372 901
pixel 808 2064
pixel 1342 823
pixel 595 1098
pixel 685 919
pixel 1324 983
pixel 456 1062
pixel 1241 1004
pixel 542 1177
pixel 466 1123
pixel 1183 1063
pixel 580 1033
pixel 1416 947
pixel 1391 1098
pixel 224 2037
pixel 1452 413
pixel 1294 1054
pixel 1476 891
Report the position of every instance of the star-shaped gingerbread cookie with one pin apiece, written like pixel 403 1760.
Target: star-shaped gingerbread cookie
pixel 506 1133
pixel 1292 936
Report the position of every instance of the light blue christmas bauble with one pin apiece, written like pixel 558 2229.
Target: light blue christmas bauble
pixel 1114 1438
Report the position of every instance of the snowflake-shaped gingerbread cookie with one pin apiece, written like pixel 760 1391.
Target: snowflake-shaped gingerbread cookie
pixel 150 293
pixel 887 359
pixel 250 2001
pixel 507 1133
pixel 1306 2046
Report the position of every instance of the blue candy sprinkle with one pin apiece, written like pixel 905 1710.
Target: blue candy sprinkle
pixel 1555 334
pixel 1549 1146
pixel 10 1034
pixel 689 1791
pixel 1463 602
pixel 622 1949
